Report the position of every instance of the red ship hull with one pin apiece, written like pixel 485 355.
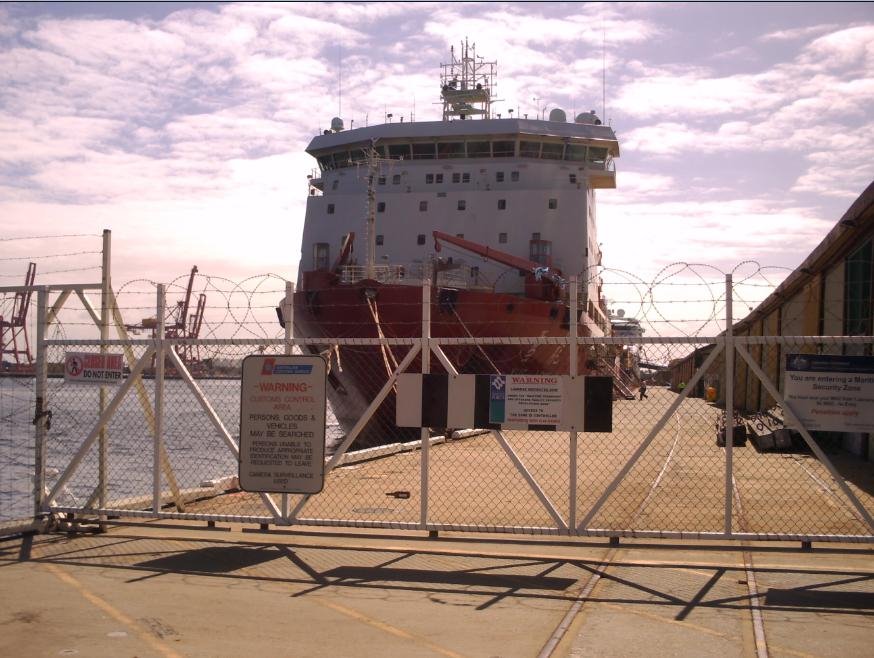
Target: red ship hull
pixel 368 309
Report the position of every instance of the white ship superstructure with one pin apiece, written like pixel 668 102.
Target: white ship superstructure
pixel 519 185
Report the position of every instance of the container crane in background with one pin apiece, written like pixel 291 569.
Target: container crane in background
pixel 13 329
pixel 181 323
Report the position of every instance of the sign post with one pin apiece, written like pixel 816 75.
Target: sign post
pixel 282 424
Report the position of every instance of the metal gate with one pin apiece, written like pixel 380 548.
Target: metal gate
pixel 674 465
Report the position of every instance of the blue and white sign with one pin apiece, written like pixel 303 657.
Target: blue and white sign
pixel 831 392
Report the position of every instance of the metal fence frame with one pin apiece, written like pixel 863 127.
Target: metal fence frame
pixel 278 510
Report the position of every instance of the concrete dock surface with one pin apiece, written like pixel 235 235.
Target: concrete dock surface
pixel 181 589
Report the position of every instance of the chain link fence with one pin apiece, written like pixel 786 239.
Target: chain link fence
pixel 667 468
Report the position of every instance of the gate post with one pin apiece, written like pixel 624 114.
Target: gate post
pixel 105 297
pixel 159 399
pixel 424 432
pixel 573 332
pixel 729 404
pixel 288 316
pixel 41 413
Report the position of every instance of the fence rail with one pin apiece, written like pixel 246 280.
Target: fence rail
pixel 165 442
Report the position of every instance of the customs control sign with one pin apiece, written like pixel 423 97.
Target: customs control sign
pixel 282 424
pixel 831 392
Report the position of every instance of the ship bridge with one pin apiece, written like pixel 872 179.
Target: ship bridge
pixel 588 146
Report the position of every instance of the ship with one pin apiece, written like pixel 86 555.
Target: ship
pixel 497 212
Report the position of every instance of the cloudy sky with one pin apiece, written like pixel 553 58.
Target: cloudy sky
pixel 746 130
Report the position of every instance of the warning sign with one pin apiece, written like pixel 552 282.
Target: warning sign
pixel 93 368
pixel 831 392
pixel 282 424
pixel 526 399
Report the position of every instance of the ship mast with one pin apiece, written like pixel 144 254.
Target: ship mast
pixel 467 85
pixel 370 230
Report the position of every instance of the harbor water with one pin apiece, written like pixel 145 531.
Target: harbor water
pixel 195 450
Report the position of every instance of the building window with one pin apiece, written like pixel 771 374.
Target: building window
pixel 502 238
pixel 572 178
pixel 429 178
pixel 420 239
pixel 456 177
pixel 380 180
pixel 321 255
pixel 858 293
pixel 535 236
pixel 396 179
pixel 379 240
pixel 335 184
pixel 514 176
pixel 462 204
pixel 553 204
pixel 330 208
pixel 438 178
pixel 441 195
pixel 502 204
pixel 465 177
pixel 380 207
pixel 423 206
pixel 459 235
pixel 499 176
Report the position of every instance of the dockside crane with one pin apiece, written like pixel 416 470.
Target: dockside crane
pixel 13 328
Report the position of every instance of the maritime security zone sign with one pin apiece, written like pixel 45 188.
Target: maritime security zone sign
pixel 282 424
pixel 536 402
pixel 831 392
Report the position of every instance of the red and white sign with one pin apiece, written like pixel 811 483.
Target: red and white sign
pixel 93 368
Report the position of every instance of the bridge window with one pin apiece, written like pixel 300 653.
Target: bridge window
pixel 597 155
pixel 399 151
pixel 575 152
pixel 450 150
pixel 552 151
pixel 503 149
pixel 423 151
pixel 529 149
pixel 479 149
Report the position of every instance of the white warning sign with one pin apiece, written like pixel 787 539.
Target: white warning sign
pixel 282 424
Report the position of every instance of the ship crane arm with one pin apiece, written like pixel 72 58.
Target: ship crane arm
pixel 522 264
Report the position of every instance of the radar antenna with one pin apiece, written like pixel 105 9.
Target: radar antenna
pixel 467 85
